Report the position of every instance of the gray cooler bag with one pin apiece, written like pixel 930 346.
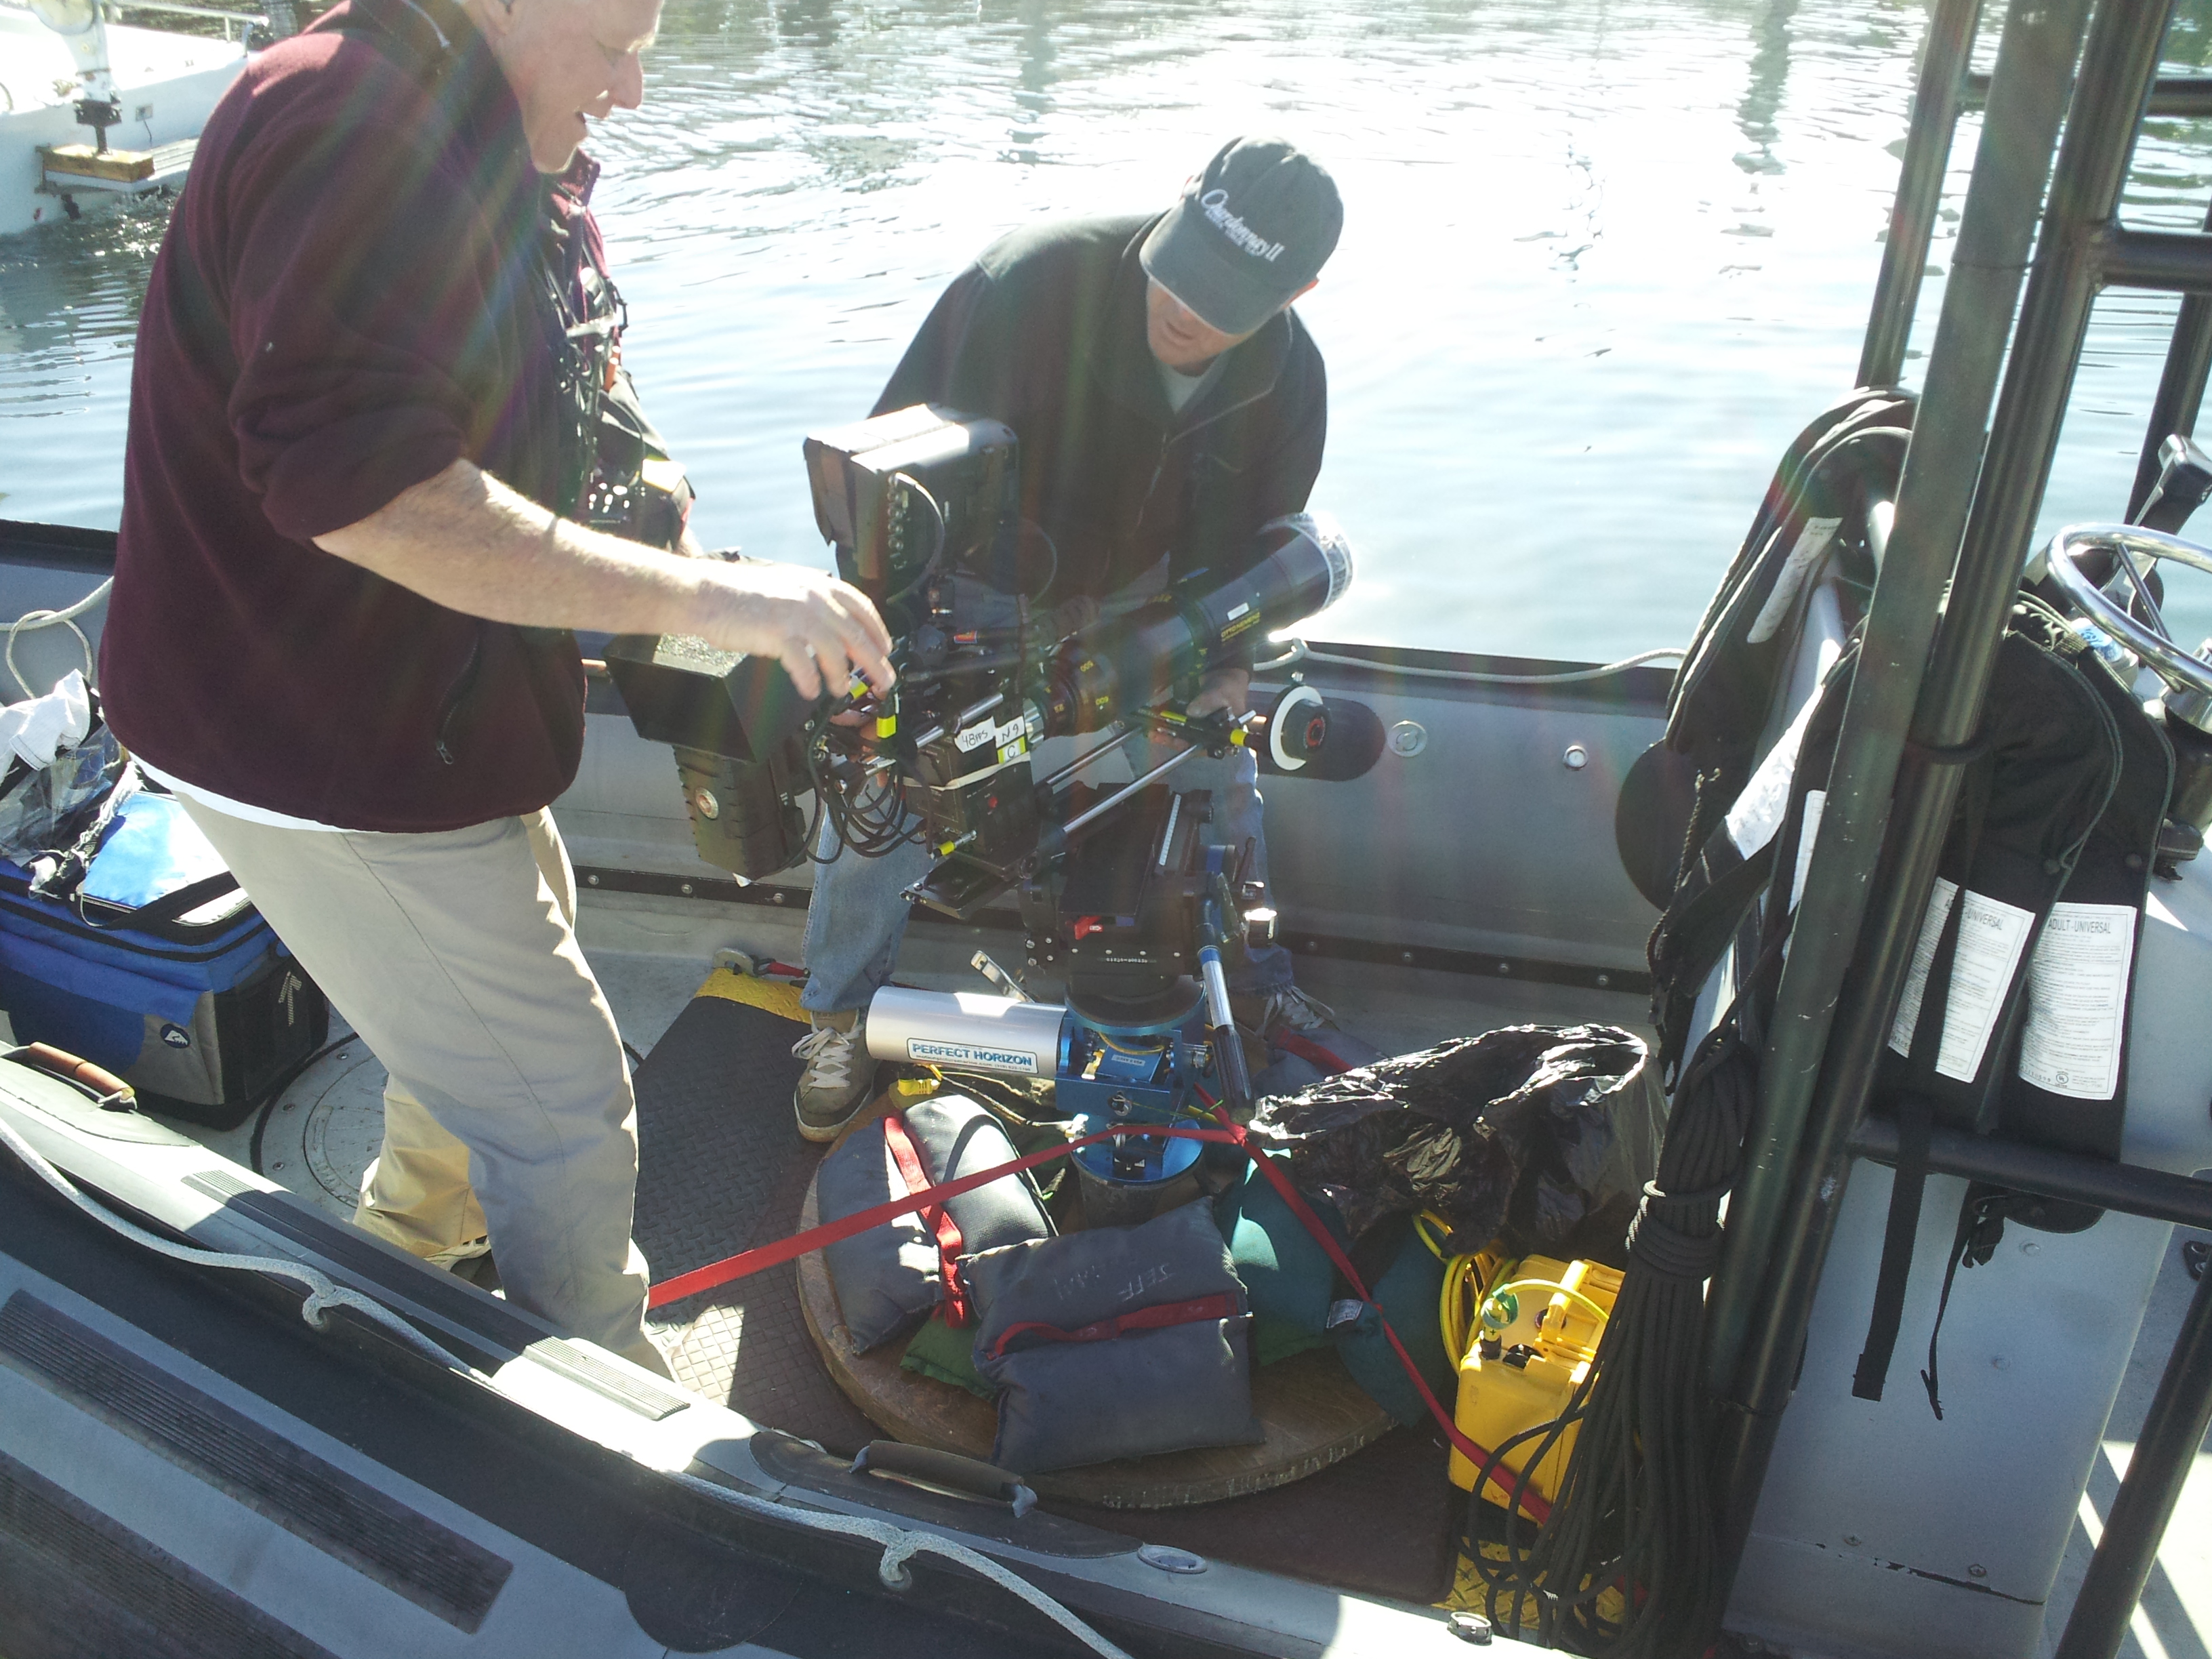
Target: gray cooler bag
pixel 890 1278
pixel 1115 1342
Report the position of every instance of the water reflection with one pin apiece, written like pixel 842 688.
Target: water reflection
pixel 1602 258
pixel 1770 75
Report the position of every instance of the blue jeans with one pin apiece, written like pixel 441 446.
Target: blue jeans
pixel 857 917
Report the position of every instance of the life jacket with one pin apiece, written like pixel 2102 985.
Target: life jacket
pixel 2014 1019
pixel 1814 510
pixel 1813 517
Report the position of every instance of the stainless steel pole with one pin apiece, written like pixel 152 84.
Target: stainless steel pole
pixel 1935 105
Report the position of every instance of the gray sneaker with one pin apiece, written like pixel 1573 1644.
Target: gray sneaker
pixel 839 1079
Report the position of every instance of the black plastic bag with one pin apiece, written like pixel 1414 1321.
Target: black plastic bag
pixel 1523 1131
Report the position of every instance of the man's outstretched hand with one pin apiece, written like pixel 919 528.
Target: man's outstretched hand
pixel 466 541
pixel 822 630
pixel 1228 689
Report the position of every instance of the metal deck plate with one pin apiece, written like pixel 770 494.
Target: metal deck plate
pixel 721 1168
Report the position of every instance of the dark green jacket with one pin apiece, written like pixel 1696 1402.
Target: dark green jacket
pixel 1046 332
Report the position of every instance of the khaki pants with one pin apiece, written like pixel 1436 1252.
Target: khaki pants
pixel 508 1110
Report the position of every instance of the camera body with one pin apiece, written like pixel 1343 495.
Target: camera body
pixel 1128 895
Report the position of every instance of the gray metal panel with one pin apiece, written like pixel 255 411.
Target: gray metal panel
pixel 1485 841
pixel 1884 1531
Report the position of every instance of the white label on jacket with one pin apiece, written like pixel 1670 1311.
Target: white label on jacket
pixel 1758 811
pixel 1816 802
pixel 1812 542
pixel 2077 1000
pixel 1991 934
pixel 929 1052
pixel 1923 958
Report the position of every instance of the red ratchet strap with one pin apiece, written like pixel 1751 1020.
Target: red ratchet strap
pixel 1221 1305
pixel 1310 1051
pixel 763 1257
pixel 814 1238
pixel 1480 1457
pixel 934 1216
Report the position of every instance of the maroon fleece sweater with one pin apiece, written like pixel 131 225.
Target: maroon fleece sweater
pixel 346 301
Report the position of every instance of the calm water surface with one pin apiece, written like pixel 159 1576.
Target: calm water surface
pixel 1601 260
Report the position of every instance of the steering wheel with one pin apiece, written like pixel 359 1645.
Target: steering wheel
pixel 2122 604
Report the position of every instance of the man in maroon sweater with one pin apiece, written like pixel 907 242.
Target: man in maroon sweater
pixel 379 352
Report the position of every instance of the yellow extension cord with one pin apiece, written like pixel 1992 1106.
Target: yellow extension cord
pixel 1468 1300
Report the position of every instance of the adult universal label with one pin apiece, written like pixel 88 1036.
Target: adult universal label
pixel 928 1052
pixel 2077 1000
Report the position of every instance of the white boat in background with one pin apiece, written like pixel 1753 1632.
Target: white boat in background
pixel 162 85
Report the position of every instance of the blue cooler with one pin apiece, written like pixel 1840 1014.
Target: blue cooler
pixel 160 969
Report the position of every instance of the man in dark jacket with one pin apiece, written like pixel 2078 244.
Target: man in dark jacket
pixel 1170 404
pixel 365 426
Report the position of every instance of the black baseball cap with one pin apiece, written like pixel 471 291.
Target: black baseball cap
pixel 1249 232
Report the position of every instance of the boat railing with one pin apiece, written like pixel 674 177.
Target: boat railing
pixel 1973 484
pixel 242 20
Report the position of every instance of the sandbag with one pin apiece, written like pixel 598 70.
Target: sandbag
pixel 1405 1291
pixel 942 1354
pixel 1113 1342
pixel 1287 1276
pixel 890 1278
pixel 1519 1132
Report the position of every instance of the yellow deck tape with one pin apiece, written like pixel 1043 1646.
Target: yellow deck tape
pixel 1471 1594
pixel 776 996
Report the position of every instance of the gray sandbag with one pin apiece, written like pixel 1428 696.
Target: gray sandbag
pixel 889 1278
pixel 1115 1342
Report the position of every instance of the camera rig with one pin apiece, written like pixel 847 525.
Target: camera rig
pixel 1126 893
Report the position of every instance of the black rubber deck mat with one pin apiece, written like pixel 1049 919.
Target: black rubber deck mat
pixel 721 1168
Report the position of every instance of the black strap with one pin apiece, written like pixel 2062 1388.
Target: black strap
pixel 1916 1120
pixel 1981 1219
pixel 164 909
pixel 1689 941
pixel 1949 754
pixel 56 874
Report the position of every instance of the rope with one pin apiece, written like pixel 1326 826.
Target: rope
pixel 1633 1507
pixel 900 1545
pixel 32 621
pixel 1478 678
pixel 322 1293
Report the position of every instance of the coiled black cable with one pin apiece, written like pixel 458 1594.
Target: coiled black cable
pixel 1634 1511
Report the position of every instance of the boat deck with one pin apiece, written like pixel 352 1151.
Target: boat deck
pixel 748 1347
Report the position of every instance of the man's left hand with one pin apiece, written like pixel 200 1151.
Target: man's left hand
pixel 1228 689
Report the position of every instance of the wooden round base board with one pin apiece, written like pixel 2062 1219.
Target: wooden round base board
pixel 1312 1412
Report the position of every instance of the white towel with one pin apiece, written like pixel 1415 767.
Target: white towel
pixel 39 728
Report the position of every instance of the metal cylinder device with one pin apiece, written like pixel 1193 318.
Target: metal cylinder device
pixel 974 1031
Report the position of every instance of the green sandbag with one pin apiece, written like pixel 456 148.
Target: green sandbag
pixel 1409 1291
pixel 1286 1272
pixel 948 1356
pixel 1273 1340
